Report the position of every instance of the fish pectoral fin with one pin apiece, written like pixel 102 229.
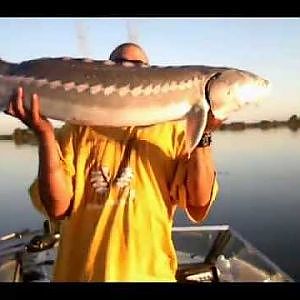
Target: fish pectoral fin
pixel 196 122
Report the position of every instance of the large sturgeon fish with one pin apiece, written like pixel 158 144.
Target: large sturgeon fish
pixel 103 93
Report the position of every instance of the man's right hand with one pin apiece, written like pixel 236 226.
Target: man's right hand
pixel 53 183
pixel 31 118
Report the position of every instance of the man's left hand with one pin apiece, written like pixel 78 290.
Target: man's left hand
pixel 212 123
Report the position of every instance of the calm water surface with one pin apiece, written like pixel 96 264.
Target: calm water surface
pixel 259 174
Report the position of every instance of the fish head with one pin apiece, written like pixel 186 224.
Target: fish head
pixel 5 68
pixel 232 89
pixel 5 94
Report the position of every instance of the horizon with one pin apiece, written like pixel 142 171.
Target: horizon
pixel 57 124
pixel 269 47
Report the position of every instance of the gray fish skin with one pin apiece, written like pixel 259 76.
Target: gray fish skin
pixel 102 93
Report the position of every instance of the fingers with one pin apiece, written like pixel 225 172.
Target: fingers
pixel 19 105
pixel 212 123
pixel 31 116
pixel 16 105
pixel 35 109
pixel 10 110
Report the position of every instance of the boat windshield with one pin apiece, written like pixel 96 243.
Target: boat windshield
pixel 205 249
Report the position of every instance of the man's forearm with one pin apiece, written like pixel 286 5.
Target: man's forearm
pixel 200 177
pixel 52 178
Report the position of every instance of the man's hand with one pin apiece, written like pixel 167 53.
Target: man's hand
pixel 31 118
pixel 212 123
pixel 53 183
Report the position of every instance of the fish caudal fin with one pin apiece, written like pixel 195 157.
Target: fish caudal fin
pixel 196 123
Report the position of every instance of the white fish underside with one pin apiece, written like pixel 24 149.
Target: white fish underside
pixel 94 93
pixel 128 114
pixel 116 117
pixel 93 106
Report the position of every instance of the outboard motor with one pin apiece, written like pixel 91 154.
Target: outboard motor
pixel 38 259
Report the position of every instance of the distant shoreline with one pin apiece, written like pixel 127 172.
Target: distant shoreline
pixel 6 137
pixel 292 123
pixel 26 136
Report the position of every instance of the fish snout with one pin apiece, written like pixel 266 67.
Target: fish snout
pixel 231 90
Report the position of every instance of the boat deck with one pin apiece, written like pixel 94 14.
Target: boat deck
pixel 205 254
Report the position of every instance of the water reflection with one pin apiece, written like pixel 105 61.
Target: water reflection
pixel 258 171
pixel 18 167
pixel 259 175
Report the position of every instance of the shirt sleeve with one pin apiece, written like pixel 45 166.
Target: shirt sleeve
pixel 65 139
pixel 179 192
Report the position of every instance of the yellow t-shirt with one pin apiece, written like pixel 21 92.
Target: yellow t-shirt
pixel 120 231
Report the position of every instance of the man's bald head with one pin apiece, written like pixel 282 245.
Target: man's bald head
pixel 129 52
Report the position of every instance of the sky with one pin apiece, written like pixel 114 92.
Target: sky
pixel 269 47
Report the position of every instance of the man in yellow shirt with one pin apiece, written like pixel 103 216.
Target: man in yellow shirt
pixel 116 190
